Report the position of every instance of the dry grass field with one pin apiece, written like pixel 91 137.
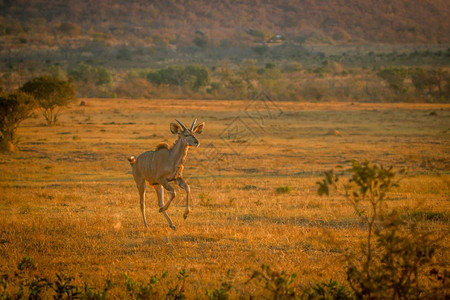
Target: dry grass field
pixel 68 199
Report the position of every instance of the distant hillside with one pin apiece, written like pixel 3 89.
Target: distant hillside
pixel 226 23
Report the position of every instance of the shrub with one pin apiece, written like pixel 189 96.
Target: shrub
pixel 328 290
pixel 395 78
pixel 396 256
pixel 193 76
pixel 52 95
pixel 220 293
pixel 88 74
pixel 260 49
pixel 279 284
pixel 134 88
pixel 26 263
pixel 69 28
pixel 177 292
pixel 125 54
pixel 283 189
pixel 64 289
pixel 14 108
pixel 138 290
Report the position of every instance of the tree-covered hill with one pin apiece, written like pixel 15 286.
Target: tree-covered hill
pixel 226 23
pixel 358 50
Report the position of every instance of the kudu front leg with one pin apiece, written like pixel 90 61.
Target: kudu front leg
pixel 181 183
pixel 160 193
pixel 171 192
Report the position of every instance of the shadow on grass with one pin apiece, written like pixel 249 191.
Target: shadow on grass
pixel 302 222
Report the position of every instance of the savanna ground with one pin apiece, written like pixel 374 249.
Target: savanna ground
pixel 68 199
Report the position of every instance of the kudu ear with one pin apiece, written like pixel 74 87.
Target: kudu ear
pixel 199 128
pixel 175 128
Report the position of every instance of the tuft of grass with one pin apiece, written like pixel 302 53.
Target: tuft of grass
pixel 27 263
pixel 283 189
pixel 249 187
pixel 429 216
pixel 205 200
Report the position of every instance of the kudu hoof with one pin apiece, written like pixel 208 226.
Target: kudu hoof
pixel 185 216
pixel 173 228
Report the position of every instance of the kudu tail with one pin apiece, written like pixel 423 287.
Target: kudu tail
pixel 132 159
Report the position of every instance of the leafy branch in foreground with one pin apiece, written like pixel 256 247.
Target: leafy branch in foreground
pixel 177 292
pixel 222 292
pixel 138 290
pixel 396 256
pixel 279 284
pixel 153 289
pixel 21 286
pixel 327 291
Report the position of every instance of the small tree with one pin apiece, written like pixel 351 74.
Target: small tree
pixel 103 76
pixel 198 76
pixel 14 108
pixel 88 74
pixel 419 79
pixel 395 77
pixel 260 49
pixel 201 42
pixel 69 28
pixel 396 256
pixel 192 76
pixel 52 94
pixel 174 75
pixel 437 78
pixel 432 82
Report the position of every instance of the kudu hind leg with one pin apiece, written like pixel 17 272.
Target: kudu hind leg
pixel 141 188
pixel 160 193
pixel 181 183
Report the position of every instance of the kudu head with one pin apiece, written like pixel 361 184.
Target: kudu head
pixel 187 135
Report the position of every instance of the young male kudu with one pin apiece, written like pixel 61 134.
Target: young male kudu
pixel 163 165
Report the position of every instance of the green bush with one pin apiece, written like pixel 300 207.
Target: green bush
pixel 397 254
pixel 26 263
pixel 149 290
pixel 220 293
pixel 328 290
pixel 283 189
pixel 14 108
pixel 395 78
pixel 279 284
pixel 193 76
pixel 52 94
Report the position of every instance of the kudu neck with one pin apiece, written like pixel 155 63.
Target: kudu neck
pixel 179 151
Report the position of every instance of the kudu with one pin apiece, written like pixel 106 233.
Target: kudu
pixel 163 165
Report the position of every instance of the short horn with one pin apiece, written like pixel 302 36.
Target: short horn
pixel 193 124
pixel 182 125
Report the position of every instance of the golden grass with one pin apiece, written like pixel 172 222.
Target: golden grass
pixel 68 199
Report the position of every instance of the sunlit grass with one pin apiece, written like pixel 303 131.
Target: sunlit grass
pixel 71 203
